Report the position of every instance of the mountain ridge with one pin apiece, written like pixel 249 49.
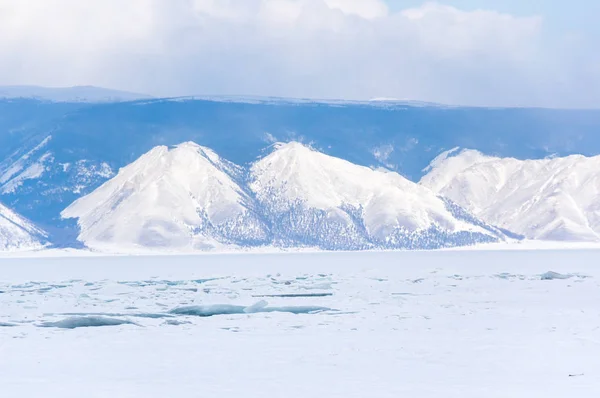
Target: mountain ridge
pixel 188 196
pixel 548 199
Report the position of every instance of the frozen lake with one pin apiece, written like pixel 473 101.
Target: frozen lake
pixel 370 325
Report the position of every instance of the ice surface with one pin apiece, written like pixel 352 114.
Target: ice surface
pixel 295 295
pixel 457 324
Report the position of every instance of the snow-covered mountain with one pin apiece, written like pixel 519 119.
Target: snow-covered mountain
pixel 315 199
pixel 52 153
pixel 550 199
pixel 70 94
pixel 189 197
pixel 182 197
pixel 17 233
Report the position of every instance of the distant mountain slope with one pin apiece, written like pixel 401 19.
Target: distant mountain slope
pixel 551 199
pixel 24 123
pixel 188 197
pixel 70 94
pixel 17 233
pixel 184 197
pixel 313 198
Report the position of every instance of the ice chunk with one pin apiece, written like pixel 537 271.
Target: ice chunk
pixel 6 325
pixel 209 310
pixel 550 275
pixel 86 321
pixel 228 309
pixel 256 307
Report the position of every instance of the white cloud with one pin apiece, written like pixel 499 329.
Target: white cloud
pixel 305 48
pixel 368 9
pixel 447 31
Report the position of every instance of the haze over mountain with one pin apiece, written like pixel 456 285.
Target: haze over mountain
pixel 69 94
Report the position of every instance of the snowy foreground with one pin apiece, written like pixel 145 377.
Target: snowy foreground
pixel 415 324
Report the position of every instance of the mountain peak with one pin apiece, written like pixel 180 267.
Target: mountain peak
pixel 355 205
pixel 184 196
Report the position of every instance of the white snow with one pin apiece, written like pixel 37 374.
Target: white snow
pixel 549 199
pixel 86 173
pixel 70 94
pixel 87 169
pixel 440 158
pixel 33 171
pixel 160 199
pixel 382 154
pixel 296 173
pixel 454 324
pixel 9 170
pixel 17 233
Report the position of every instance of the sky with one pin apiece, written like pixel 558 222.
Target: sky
pixel 462 52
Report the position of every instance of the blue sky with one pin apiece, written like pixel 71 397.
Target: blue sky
pixel 490 53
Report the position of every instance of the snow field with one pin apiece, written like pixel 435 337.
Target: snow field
pixel 423 324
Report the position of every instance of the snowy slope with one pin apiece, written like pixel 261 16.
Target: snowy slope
pixel 184 197
pixel 70 94
pixel 17 233
pixel 550 199
pixel 45 170
pixel 313 198
pixel 31 165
